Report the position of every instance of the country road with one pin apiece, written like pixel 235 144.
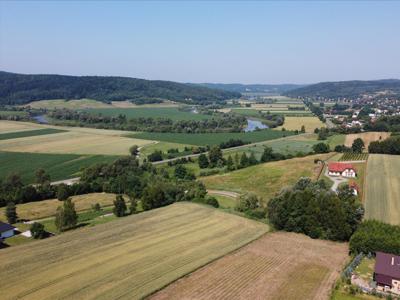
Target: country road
pixel 224 193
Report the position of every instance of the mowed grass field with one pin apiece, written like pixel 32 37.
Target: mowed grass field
pixel 289 145
pixel 27 133
pixel 150 112
pixel 280 265
pixel 267 179
pixel 293 123
pixel 382 190
pixel 47 208
pixel 127 259
pixel 367 137
pixel 202 139
pixel 74 140
pixel 59 166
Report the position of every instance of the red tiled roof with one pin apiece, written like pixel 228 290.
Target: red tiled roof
pixel 339 167
pixel 387 264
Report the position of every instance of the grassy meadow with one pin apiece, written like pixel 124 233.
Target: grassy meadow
pixel 129 258
pixel 202 139
pixel 150 112
pixel 382 192
pixel 267 179
pixel 47 208
pixel 59 166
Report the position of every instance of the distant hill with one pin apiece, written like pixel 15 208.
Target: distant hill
pixel 349 89
pixel 275 89
pixel 22 89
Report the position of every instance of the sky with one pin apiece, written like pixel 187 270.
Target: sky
pixel 204 41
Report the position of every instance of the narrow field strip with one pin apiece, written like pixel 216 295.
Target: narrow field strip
pixel 27 133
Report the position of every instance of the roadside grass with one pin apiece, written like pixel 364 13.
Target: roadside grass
pixel 59 166
pixel 130 259
pixel 266 179
pixel 225 202
pixel 21 134
pixel 293 123
pixel 202 139
pixel 150 112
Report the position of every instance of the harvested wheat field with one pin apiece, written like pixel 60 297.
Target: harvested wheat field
pixel 74 141
pixel 47 208
pixel 382 190
pixel 129 258
pixel 276 266
pixel 367 137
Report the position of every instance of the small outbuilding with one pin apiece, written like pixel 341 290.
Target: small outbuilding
pixel 6 230
pixel 387 272
pixel 341 169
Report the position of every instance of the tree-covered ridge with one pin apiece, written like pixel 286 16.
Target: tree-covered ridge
pixel 252 88
pixel 348 89
pixel 22 89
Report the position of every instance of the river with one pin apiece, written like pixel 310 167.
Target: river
pixel 252 125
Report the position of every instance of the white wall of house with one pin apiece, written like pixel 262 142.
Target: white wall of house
pixel 7 234
pixel 395 286
pixel 349 173
pixel 334 173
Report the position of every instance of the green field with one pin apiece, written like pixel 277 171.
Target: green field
pixel 382 191
pixel 202 139
pixel 149 112
pixel 6 113
pixel 256 112
pixel 267 179
pixel 129 258
pixel 290 145
pixel 21 134
pixel 59 166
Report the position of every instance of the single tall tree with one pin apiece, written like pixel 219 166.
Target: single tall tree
pixel 215 156
pixel 358 146
pixel 66 216
pixel 11 213
pixel 42 177
pixel 119 206
pixel 229 163
pixel 203 161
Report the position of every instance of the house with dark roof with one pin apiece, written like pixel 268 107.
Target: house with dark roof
pixel 387 272
pixel 341 169
pixel 6 230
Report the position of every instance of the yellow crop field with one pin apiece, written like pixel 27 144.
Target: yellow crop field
pixel 285 266
pixel 293 123
pixel 382 188
pixel 76 140
pixel 129 258
pixel 267 179
pixel 47 208
pixel 367 137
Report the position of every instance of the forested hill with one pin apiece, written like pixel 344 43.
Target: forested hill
pixel 21 89
pixel 252 88
pixel 349 89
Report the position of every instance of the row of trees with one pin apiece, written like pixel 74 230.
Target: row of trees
pixel 220 122
pixel 388 146
pixel 384 123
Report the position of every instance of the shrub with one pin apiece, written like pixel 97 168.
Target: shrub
pixel 37 231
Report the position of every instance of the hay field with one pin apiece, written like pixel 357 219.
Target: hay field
pixel 367 137
pixel 70 104
pixel 127 259
pixel 276 266
pixel 382 190
pixel 293 123
pixel 267 179
pixel 75 141
pixel 47 208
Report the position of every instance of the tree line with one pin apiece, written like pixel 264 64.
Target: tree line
pixel 220 122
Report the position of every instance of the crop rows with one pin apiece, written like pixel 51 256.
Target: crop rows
pixel 353 156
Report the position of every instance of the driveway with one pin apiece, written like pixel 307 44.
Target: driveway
pixel 337 180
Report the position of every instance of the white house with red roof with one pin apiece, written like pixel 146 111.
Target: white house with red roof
pixel 341 169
